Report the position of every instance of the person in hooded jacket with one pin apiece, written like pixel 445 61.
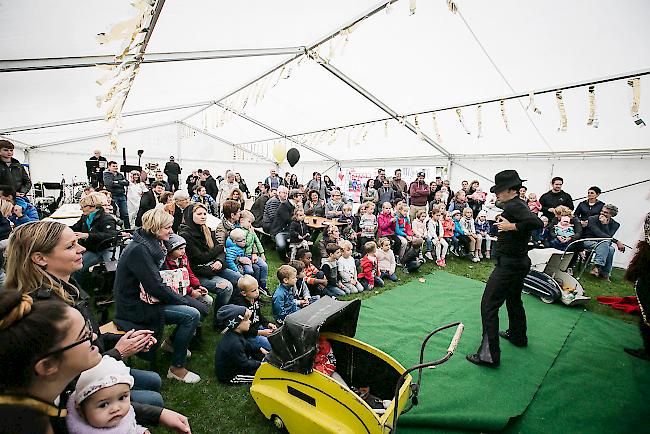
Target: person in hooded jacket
pixel 11 171
pixel 23 211
pixel 144 301
pixel 206 255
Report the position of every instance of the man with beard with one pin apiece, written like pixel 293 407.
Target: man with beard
pixel 399 185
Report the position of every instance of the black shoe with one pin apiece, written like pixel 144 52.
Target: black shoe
pixel 638 352
pixel 506 335
pixel 474 358
pixel 264 292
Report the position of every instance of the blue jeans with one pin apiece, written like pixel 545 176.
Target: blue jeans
pixel 146 388
pixel 221 295
pixel 413 266
pixel 260 342
pixel 603 255
pixel 391 277
pixel 429 244
pixel 259 270
pixel 230 275
pixel 377 281
pixel 120 201
pixel 333 291
pixel 187 320
pixel 90 259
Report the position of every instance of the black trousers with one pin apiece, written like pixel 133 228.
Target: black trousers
pixel 173 183
pixel 503 286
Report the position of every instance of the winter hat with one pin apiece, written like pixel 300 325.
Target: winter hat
pixel 482 213
pixel 174 242
pixel 454 212
pixel 231 315
pixel 107 373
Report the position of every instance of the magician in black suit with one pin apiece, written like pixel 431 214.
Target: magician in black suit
pixel 507 279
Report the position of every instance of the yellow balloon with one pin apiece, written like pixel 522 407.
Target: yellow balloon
pixel 279 152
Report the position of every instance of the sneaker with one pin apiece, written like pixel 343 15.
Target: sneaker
pixel 429 256
pixel 454 252
pixel 480 255
pixel 189 378
pixel 167 346
pixel 264 292
pixel 487 254
pixel 475 259
pixel 444 262
pixel 439 262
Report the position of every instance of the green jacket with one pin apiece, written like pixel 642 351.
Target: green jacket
pixel 253 243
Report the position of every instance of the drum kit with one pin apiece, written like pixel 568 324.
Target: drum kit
pixel 45 195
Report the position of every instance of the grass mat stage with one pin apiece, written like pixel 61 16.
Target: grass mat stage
pixel 458 394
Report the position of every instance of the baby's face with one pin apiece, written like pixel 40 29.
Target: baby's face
pixel 108 406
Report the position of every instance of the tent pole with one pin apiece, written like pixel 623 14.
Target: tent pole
pixel 370 97
pixel 274 131
pixel 96 136
pixel 22 65
pixel 241 148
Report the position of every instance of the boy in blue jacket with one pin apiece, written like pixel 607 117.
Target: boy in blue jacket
pixel 235 253
pixel 24 212
pixel 284 303
pixel 235 360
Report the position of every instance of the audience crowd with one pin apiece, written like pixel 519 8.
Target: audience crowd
pixel 180 252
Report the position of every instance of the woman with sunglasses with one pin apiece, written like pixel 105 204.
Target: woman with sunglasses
pixel 41 258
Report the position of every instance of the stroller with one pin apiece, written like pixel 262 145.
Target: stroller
pixel 549 280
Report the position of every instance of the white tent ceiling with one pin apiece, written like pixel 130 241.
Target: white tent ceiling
pixel 427 61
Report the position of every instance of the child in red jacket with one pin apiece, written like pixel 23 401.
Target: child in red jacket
pixel 176 258
pixel 369 275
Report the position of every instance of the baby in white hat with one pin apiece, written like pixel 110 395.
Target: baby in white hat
pixel 101 402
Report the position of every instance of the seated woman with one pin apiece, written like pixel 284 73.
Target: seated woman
pixel 203 198
pixel 95 230
pixel 41 257
pixel 315 206
pixel 207 257
pixel 238 197
pixel 144 301
pixel 590 206
pixel 562 239
pixel 45 345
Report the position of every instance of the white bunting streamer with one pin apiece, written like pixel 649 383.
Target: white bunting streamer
pixel 592 120
pixel 636 101
pixel 479 122
pixel 502 105
pixel 531 104
pixel 386 129
pixel 452 6
pixel 459 115
pixel 560 106
pixel 418 132
pixel 412 7
pixel 434 121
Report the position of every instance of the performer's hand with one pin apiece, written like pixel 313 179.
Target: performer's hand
pixel 504 225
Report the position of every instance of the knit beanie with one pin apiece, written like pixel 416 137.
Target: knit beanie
pixel 231 315
pixel 174 242
pixel 107 373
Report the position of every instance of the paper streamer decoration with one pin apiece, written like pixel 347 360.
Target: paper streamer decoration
pixel 502 105
pixel 279 152
pixel 434 121
pixel 452 6
pixel 560 106
pixel 636 101
pixel 412 7
pixel 531 104
pixel 459 114
pixel 386 129
pixel 479 123
pixel 592 120
pixel 418 132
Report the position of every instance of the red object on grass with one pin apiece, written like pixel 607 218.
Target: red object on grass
pixel 627 304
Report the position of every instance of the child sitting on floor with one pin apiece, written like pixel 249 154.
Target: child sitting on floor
pixel 284 302
pixel 248 296
pixel 463 239
pixel 369 275
pixel 254 250
pixel 412 262
pixel 314 278
pixel 386 260
pixel 299 234
pixel 420 230
pixel 349 231
pixel 102 401
pixel 330 269
pixel 301 290
pixel 235 360
pixel 348 270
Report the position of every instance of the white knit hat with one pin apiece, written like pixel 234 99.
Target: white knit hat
pixel 107 373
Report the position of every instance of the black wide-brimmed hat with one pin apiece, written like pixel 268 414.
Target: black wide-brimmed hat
pixel 505 180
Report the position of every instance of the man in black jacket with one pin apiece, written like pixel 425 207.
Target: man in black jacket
pixel 95 175
pixel 280 225
pixel 258 207
pixel 172 170
pixel 181 201
pixel 115 182
pixel 210 184
pixel 149 200
pixel 507 279
pixel 11 171
pixel 554 198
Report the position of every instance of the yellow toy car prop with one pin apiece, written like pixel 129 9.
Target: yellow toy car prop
pixel 302 400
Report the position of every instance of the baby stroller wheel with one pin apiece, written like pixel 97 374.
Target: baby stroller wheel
pixel 546 300
pixel 277 422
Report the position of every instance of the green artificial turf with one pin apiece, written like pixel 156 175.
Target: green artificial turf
pixel 215 408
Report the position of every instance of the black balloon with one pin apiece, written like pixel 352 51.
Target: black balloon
pixel 293 156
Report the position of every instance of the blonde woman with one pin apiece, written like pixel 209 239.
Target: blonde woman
pixel 95 230
pixel 144 301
